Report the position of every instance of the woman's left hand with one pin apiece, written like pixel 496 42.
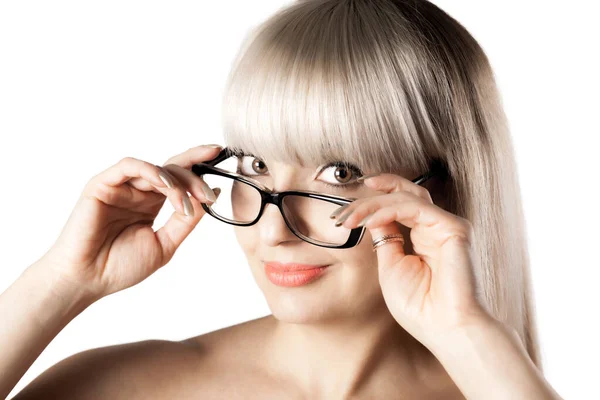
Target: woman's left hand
pixel 434 291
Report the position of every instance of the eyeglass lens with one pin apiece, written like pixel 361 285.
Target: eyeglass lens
pixel 239 202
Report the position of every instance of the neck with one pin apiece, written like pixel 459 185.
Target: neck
pixel 342 357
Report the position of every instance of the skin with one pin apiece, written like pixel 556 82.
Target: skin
pixel 403 322
pixel 342 314
pixel 399 325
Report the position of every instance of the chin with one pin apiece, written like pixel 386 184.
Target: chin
pixel 307 304
pixel 336 295
pixel 296 313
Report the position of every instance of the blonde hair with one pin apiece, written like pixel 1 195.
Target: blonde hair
pixel 391 84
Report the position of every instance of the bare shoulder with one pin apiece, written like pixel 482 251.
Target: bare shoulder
pixel 198 367
pixel 126 370
pixel 235 358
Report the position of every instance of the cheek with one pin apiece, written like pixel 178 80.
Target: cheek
pixel 245 238
pixel 358 283
pixel 360 259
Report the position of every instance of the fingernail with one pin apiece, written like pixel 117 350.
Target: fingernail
pixel 213 146
pixel 166 179
pixel 338 211
pixel 210 195
pixel 362 178
pixel 342 219
pixel 188 209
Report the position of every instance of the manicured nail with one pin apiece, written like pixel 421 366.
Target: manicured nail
pixel 166 179
pixel 210 195
pixel 342 219
pixel 338 211
pixel 188 209
pixel 362 178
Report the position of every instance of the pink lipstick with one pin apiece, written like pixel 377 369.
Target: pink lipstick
pixel 292 274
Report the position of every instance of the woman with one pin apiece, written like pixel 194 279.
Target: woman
pixel 441 309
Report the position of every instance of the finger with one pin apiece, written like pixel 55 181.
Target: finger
pixel 395 183
pixel 128 168
pixel 398 272
pixel 140 175
pixel 195 155
pixel 128 173
pixel 192 183
pixel 415 215
pixel 178 192
pixel 360 209
pixel 409 213
pixel 385 184
pixel 389 253
pixel 184 160
pixel 177 228
pixel 145 186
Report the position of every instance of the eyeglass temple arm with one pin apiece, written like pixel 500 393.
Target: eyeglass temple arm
pixel 438 168
pixel 223 154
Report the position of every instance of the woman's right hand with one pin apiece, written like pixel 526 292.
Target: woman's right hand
pixel 108 243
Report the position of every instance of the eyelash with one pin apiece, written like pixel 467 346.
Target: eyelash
pixel 343 186
pixel 355 170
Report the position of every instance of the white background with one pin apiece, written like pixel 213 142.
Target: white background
pixel 83 84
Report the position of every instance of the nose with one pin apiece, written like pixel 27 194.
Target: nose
pixel 272 228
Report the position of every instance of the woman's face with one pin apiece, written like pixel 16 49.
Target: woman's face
pixel 348 287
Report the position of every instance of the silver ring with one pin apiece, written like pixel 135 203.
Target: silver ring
pixel 394 237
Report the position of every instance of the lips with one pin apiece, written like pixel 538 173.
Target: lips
pixel 290 267
pixel 293 274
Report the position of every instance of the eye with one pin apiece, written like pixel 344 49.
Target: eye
pixel 250 166
pixel 343 174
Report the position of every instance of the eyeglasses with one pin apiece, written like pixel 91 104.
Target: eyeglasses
pixel 306 213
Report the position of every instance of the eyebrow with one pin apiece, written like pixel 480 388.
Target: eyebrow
pixel 241 153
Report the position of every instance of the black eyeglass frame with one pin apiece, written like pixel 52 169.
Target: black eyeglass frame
pixel 269 196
